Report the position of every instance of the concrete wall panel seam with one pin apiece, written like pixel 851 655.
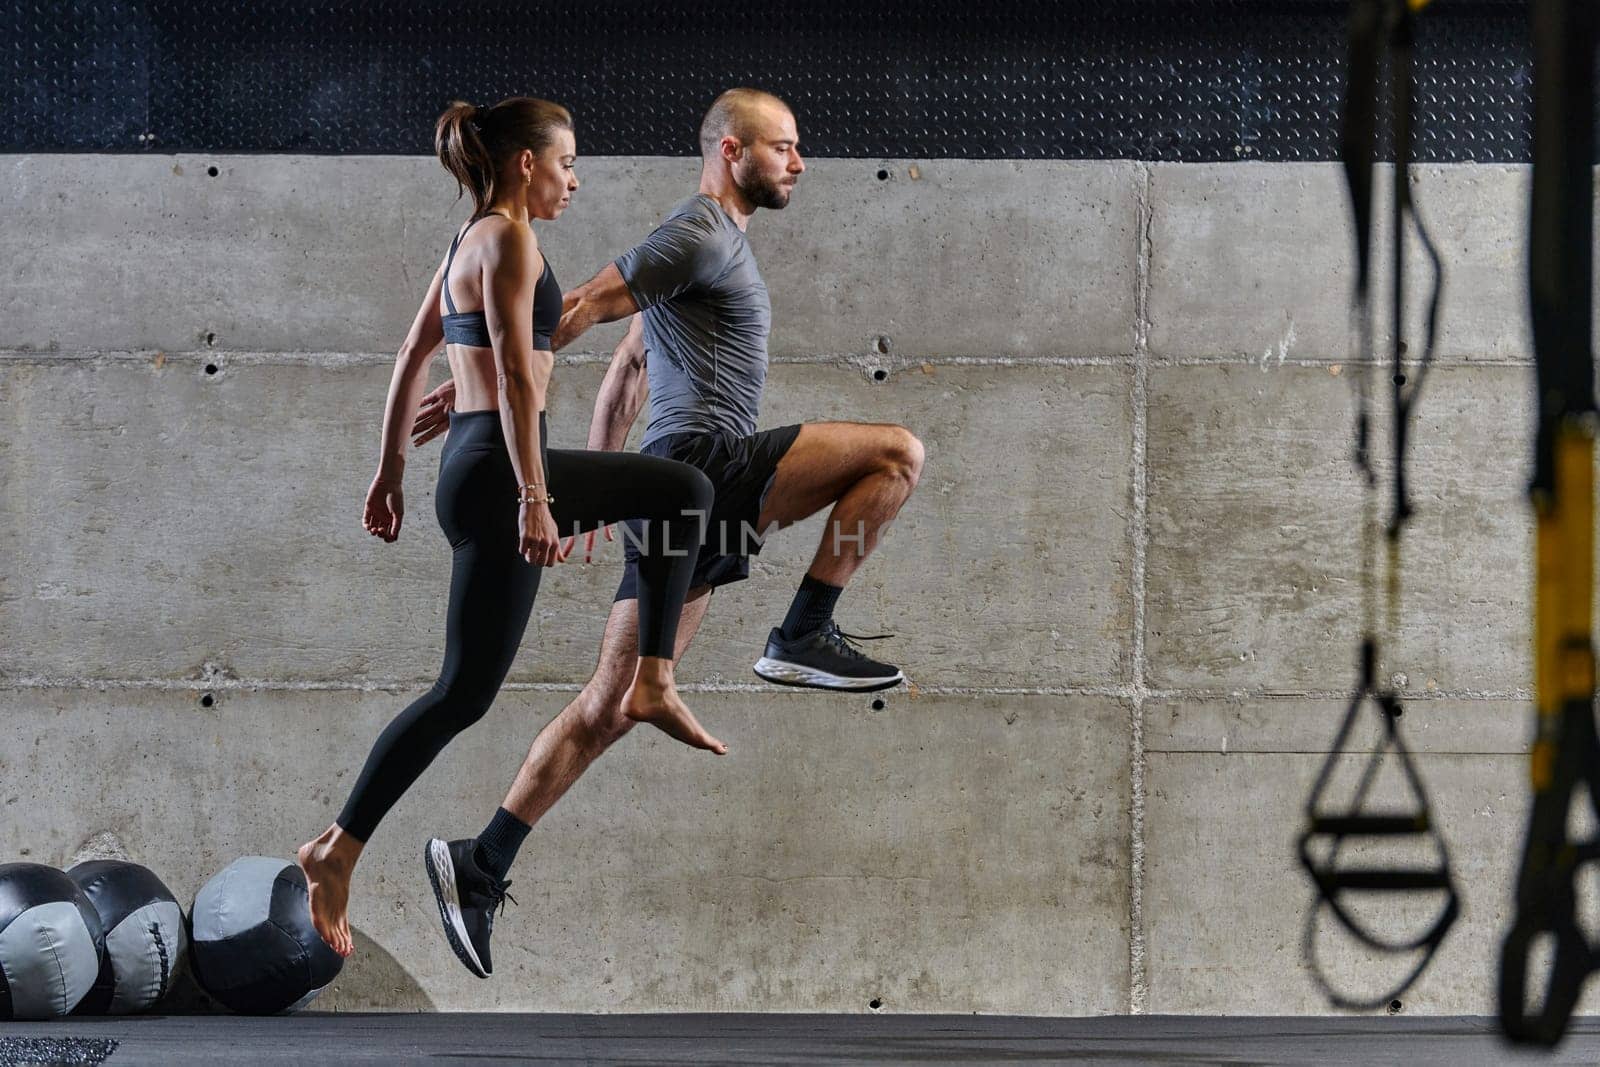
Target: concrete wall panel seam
pixel 1138 985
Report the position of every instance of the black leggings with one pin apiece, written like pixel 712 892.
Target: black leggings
pixel 492 587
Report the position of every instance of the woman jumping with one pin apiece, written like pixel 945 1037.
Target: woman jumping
pixel 505 502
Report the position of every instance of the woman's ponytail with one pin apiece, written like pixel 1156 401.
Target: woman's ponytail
pixel 459 141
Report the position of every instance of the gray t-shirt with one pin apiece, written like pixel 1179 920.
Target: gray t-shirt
pixel 706 321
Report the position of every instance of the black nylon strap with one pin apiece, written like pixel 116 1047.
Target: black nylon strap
pixel 1560 280
pixel 1379 29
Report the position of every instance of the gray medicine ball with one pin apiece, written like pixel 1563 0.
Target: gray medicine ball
pixel 144 936
pixel 51 943
pixel 251 942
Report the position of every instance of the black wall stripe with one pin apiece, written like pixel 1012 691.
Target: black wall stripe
pixel 1196 80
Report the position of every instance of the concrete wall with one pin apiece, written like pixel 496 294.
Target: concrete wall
pixel 1126 592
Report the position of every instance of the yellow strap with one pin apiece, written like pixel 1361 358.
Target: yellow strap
pixel 1563 657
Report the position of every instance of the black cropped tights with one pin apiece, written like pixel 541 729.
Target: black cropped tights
pixel 492 587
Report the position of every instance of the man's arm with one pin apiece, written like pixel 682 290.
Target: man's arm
pixel 622 392
pixel 603 298
pixel 680 255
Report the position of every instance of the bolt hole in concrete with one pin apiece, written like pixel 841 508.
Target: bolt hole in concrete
pixel 1395 1007
pixel 206 700
pixel 883 175
pixel 213 171
pixel 880 375
pixel 874 1003
pixel 878 705
pixel 211 368
pixel 1399 379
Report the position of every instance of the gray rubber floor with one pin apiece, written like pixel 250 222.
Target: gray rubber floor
pixel 774 1039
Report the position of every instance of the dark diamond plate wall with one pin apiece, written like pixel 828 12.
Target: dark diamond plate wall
pixel 1199 80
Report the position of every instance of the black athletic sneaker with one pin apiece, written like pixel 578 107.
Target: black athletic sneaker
pixel 468 898
pixel 825 659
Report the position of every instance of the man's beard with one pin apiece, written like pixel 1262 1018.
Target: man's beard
pixel 766 192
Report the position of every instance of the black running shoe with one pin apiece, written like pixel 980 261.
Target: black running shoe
pixel 825 658
pixel 468 898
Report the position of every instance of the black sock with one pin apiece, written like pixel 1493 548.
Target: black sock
pixel 812 606
pixel 498 844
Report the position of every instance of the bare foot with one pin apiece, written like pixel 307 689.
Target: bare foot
pixel 328 882
pixel 665 710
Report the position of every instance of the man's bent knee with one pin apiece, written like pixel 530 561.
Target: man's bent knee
pixel 903 452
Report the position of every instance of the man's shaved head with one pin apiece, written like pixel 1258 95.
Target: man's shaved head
pixel 748 140
pixel 736 113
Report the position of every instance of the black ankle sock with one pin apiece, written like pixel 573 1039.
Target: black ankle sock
pixel 498 844
pixel 812 606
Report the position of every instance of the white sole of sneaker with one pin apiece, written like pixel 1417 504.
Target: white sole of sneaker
pixel 777 670
pixel 442 874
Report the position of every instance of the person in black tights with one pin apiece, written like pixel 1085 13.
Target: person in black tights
pixel 504 500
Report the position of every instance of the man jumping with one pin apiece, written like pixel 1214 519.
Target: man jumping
pixel 697 344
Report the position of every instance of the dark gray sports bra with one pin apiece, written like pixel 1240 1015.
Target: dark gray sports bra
pixel 472 327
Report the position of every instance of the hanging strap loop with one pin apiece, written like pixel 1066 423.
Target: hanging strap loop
pixel 1379 29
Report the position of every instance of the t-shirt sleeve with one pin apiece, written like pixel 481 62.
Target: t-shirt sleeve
pixel 683 253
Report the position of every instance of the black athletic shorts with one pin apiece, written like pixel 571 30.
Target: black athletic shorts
pixel 741 470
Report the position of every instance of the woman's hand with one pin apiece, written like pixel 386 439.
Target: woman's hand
pixel 540 541
pixel 433 415
pixel 386 506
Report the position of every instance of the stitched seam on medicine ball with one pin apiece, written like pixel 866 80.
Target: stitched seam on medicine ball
pixel 161 948
pixel 60 970
pixel 304 957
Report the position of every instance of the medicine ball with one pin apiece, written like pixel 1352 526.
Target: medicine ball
pixel 51 942
pixel 251 942
pixel 144 935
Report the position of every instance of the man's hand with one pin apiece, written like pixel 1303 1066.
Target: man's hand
pixel 433 415
pixel 588 543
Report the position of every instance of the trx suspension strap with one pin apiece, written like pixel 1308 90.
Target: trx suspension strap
pixel 1566 756
pixel 1378 28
